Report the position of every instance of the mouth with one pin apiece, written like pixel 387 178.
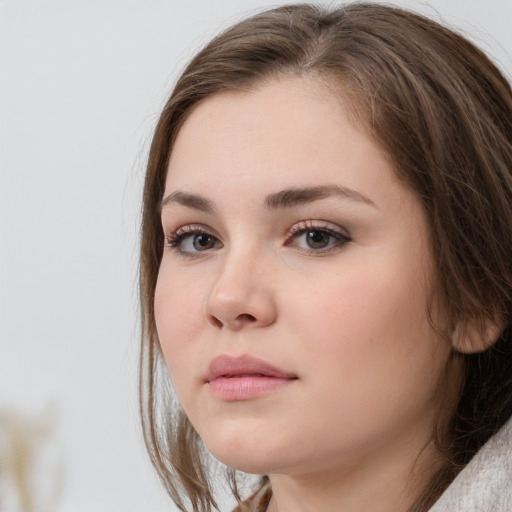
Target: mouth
pixel 233 379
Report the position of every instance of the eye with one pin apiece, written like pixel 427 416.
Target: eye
pixel 190 240
pixel 317 239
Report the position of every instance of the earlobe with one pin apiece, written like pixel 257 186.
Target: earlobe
pixel 476 334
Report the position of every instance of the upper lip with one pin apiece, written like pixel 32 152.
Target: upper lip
pixel 229 366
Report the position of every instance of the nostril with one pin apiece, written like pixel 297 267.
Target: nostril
pixel 245 317
pixel 240 320
pixel 215 321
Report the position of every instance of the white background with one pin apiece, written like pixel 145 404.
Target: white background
pixel 81 85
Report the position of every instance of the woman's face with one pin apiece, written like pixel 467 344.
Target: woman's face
pixel 291 302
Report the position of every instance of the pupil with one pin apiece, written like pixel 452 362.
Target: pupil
pixel 318 239
pixel 203 242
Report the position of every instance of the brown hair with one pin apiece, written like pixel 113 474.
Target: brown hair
pixel 443 114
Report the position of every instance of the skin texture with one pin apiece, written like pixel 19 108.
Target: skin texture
pixel 352 431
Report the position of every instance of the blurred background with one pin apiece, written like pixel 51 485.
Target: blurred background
pixel 81 86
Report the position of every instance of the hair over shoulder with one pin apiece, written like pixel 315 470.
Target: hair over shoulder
pixel 442 113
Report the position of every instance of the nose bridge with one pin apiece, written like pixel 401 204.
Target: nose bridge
pixel 242 294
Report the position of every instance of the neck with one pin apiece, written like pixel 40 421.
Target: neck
pixel 388 484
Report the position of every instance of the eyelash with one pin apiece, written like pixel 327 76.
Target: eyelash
pixel 337 239
pixel 175 239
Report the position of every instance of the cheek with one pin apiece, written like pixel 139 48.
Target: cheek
pixel 366 305
pixel 178 317
pixel 369 333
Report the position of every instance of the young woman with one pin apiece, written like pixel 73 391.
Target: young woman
pixel 326 270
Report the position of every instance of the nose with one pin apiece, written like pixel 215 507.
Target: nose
pixel 242 296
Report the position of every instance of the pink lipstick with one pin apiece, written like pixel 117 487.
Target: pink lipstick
pixel 244 378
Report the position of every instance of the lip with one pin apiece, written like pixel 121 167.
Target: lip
pixel 244 378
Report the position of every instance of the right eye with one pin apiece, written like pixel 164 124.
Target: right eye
pixel 189 240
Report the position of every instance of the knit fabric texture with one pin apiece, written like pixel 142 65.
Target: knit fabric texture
pixel 485 485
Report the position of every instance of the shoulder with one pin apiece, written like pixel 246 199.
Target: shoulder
pixel 485 485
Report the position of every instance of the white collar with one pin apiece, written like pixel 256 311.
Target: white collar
pixel 485 484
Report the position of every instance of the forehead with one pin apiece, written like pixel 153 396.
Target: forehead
pixel 283 130
pixel 275 114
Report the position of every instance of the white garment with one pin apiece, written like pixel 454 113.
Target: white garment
pixel 485 484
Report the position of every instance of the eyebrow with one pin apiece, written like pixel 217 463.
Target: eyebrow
pixel 287 198
pixel 189 200
pixel 297 196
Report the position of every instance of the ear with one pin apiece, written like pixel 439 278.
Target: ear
pixel 476 334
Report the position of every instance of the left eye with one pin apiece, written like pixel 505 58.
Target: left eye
pixel 317 239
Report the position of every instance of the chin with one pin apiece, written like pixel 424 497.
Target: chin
pixel 249 462
pixel 247 453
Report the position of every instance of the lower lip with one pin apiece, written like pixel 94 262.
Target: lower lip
pixel 232 389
